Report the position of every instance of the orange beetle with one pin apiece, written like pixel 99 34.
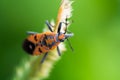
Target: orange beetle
pixel 42 43
pixel 39 43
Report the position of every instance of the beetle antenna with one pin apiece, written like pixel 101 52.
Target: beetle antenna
pixel 68 35
pixel 66 24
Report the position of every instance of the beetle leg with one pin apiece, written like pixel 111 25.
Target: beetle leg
pixel 49 26
pixel 31 33
pixel 68 35
pixel 45 55
pixel 58 51
pixel 70 44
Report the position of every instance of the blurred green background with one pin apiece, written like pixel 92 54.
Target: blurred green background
pixel 96 42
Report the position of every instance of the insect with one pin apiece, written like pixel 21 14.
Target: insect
pixel 42 43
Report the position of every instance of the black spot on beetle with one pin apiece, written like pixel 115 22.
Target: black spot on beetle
pixel 40 50
pixel 35 38
pixel 41 45
pixel 28 46
pixel 46 37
